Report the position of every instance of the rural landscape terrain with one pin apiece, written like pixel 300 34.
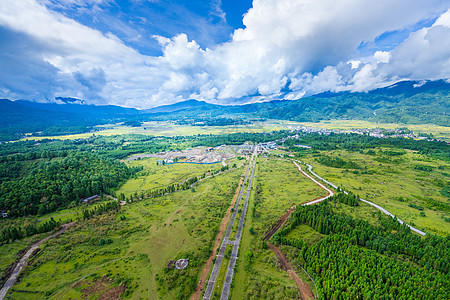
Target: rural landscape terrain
pixel 269 210
pixel 215 150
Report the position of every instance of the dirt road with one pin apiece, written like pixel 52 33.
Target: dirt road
pixel 22 262
pixel 304 289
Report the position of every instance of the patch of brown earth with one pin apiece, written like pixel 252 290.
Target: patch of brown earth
pixel 101 288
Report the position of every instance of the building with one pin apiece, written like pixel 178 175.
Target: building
pixel 90 199
pixel 303 146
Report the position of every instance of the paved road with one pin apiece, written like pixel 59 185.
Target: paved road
pixel 237 240
pixel 330 192
pixel 383 210
pixel 225 241
pixel 12 279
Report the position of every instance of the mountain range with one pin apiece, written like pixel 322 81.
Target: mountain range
pixel 408 102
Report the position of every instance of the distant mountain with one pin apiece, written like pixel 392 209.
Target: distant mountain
pixel 409 102
pixel 84 111
pixel 404 102
pixel 21 116
pixel 183 105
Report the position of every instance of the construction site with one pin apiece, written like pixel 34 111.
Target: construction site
pixel 197 155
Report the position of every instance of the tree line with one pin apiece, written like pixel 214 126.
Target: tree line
pixel 13 233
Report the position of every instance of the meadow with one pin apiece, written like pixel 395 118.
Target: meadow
pixel 409 185
pixel 128 252
pixel 133 247
pixel 155 176
pixel 277 187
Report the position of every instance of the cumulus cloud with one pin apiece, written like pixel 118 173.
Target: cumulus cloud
pixel 287 49
pixel 425 54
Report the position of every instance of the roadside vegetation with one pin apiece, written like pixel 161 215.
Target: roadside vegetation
pixel 278 187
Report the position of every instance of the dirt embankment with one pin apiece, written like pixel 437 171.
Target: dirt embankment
pixel 305 291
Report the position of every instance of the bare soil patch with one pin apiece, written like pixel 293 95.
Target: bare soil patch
pixel 102 288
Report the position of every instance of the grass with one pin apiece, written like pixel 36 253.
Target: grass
pixel 277 187
pixel 151 233
pixel 169 129
pixel 305 232
pixel 158 176
pixel 282 186
pixel 9 252
pixel 395 184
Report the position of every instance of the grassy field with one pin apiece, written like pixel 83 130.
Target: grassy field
pixel 277 187
pixel 144 236
pixel 157 176
pixel 396 183
pixel 436 130
pixel 170 129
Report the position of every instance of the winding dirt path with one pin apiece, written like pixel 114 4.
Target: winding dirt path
pixel 22 262
pixel 304 289
pixel 222 229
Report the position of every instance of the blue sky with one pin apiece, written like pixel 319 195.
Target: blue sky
pixel 144 53
pixel 135 22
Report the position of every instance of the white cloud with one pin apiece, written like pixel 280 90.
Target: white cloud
pixel 382 56
pixel 302 44
pixel 425 54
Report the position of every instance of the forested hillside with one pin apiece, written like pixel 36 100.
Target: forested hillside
pixel 56 183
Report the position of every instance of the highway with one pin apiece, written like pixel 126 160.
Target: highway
pixel 215 271
pixel 237 240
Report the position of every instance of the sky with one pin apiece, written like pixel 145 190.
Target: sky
pixel 146 53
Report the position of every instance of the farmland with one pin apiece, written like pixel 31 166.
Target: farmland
pixel 166 128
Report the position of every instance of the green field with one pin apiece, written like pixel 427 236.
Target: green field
pixel 145 236
pixel 169 129
pixel 155 176
pixel 132 248
pixel 277 187
pixel 395 183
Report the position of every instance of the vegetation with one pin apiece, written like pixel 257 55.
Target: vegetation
pixel 134 246
pixel 355 256
pixel 56 183
pixel 350 249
